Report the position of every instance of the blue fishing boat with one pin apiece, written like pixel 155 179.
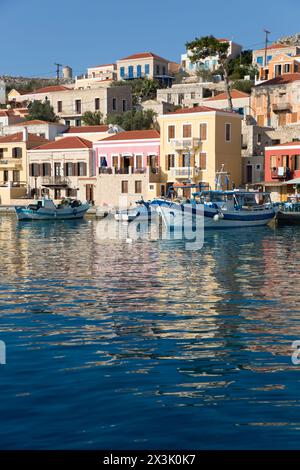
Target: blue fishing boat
pixel 45 209
pixel 218 209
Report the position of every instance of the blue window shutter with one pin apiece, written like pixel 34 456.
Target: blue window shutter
pixel 139 70
pixel 122 72
pixel 259 60
pixel 147 69
pixel 130 71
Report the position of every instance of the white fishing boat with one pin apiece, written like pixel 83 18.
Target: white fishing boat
pixel 45 209
pixel 143 211
pixel 218 209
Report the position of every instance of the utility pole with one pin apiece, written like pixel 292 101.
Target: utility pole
pixel 58 66
pixel 266 45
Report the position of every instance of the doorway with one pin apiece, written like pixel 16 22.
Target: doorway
pixel 249 173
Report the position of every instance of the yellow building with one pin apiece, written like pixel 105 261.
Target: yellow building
pixel 14 165
pixel 195 143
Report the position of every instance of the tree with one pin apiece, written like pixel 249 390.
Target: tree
pixel 142 88
pixel 133 120
pixel 241 66
pixel 42 110
pixel 243 85
pixel 209 46
pixel 92 119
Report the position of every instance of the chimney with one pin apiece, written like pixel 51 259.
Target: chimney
pixel 25 134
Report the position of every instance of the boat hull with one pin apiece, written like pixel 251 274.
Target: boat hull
pixel 46 214
pixel 191 216
pixel 288 218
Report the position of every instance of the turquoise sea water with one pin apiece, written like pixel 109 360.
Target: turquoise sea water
pixel 146 345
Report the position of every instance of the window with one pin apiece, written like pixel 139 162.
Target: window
pixel 287 68
pixel 203 131
pixel 46 169
pixel 180 98
pixel 169 98
pixel 115 161
pixel 186 160
pixel 122 72
pixel 186 130
pixel 151 187
pixel 114 104
pixel 69 169
pixel 97 104
pixel 56 169
pixel 130 71
pixel 1 153
pixel 273 162
pixel 124 187
pixel 138 187
pixel 16 176
pixel 170 161
pixel 17 152
pixel 67 122
pixel 78 106
pixel 297 162
pixel 59 106
pixel 147 69
pixel 193 95
pixel 81 167
pixel 258 167
pixel 259 138
pixel 138 71
pixel 202 161
pixel 164 70
pixel 269 57
pixel 5 176
pixel 124 105
pixel 260 60
pixel 138 161
pixel 171 132
pixel 77 122
pixel 157 70
pixel 227 132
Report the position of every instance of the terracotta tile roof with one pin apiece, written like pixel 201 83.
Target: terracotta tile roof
pixel 33 122
pixel 18 137
pixel 197 109
pixel 235 94
pixel 84 129
pixel 5 112
pixel 281 80
pixel 134 135
pixel 276 46
pixel 49 89
pixel 67 143
pixel 143 55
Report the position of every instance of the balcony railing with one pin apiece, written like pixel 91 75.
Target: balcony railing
pixel 182 172
pixel 186 143
pixel 281 172
pixel 55 181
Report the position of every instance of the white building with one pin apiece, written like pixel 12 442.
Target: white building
pixel 210 63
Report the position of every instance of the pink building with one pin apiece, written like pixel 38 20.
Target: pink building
pixel 128 165
pixel 128 152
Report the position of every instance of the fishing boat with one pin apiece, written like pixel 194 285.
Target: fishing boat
pixel 45 209
pixel 218 209
pixel 143 211
pixel 289 212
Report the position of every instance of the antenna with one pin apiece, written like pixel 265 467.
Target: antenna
pixel 58 66
pixel 266 44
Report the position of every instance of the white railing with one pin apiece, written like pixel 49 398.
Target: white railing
pixel 182 172
pixel 186 143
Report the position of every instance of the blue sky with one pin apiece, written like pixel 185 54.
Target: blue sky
pixel 37 33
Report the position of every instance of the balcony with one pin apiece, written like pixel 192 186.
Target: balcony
pixel 281 173
pixel 185 144
pixel 55 181
pixel 182 172
pixel 284 106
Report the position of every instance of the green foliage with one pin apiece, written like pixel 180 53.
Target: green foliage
pixel 207 46
pixel 243 85
pixel 241 66
pixel 205 75
pixel 133 120
pixel 142 88
pixel 42 110
pixel 92 119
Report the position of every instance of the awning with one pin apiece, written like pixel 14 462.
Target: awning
pixel 294 181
